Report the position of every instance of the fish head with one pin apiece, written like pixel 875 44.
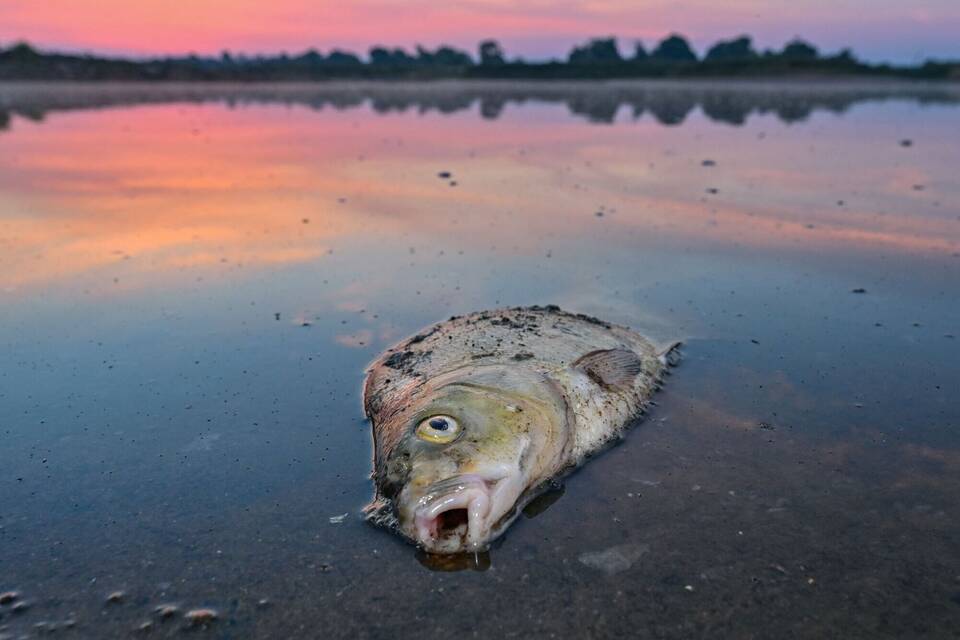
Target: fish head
pixel 465 451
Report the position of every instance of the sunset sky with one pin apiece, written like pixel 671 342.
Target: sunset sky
pixel 877 30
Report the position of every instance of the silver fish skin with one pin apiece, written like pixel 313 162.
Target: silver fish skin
pixel 474 416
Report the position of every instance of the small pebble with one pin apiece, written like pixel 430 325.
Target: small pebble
pixel 199 617
pixel 167 610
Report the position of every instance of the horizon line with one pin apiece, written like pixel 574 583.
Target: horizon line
pixel 412 48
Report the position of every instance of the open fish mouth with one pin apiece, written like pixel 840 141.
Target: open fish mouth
pixel 454 514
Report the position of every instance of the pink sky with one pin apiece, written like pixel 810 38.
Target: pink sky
pixel 876 29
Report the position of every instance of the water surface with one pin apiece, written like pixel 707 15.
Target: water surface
pixel 192 279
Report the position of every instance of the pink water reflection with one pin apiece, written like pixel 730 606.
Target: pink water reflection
pixel 155 193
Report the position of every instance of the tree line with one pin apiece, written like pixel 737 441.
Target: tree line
pixel 598 58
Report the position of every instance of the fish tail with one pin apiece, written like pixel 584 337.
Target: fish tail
pixel 670 355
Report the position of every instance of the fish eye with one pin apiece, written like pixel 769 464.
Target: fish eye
pixel 439 429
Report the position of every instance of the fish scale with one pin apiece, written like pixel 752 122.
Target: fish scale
pixel 532 391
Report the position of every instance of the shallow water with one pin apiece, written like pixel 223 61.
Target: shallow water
pixel 193 278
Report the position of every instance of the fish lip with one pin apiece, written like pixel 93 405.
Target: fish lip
pixel 472 492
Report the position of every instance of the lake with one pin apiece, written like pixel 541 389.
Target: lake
pixel 193 279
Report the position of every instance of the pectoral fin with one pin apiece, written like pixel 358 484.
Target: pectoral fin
pixel 611 367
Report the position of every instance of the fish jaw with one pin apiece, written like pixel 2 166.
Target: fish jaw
pixel 464 513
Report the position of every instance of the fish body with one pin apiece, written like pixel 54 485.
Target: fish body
pixel 474 416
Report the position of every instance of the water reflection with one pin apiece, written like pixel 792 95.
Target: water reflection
pixel 182 187
pixel 193 278
pixel 669 103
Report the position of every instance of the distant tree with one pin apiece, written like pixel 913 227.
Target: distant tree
pixel 639 52
pixel 445 56
pixel 343 58
pixel 737 49
pixel 598 50
pixel 845 57
pixel 799 50
pixel 382 56
pixel 490 53
pixel 674 48
pixel 424 56
pixel 226 57
pixel 22 50
pixel 311 57
pixel 450 57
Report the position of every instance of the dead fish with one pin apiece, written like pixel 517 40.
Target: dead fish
pixel 473 417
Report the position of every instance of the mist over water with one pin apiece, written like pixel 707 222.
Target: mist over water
pixel 193 278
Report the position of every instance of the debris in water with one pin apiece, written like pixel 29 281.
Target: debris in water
pixel 167 610
pixel 338 519
pixel 444 174
pixel 200 617
pixel 615 559
pixel 709 163
pixel 906 142
pixel 858 290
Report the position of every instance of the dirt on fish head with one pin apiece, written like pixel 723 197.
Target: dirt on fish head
pixel 456 453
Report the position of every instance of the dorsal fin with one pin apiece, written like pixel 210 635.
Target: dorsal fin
pixel 611 367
